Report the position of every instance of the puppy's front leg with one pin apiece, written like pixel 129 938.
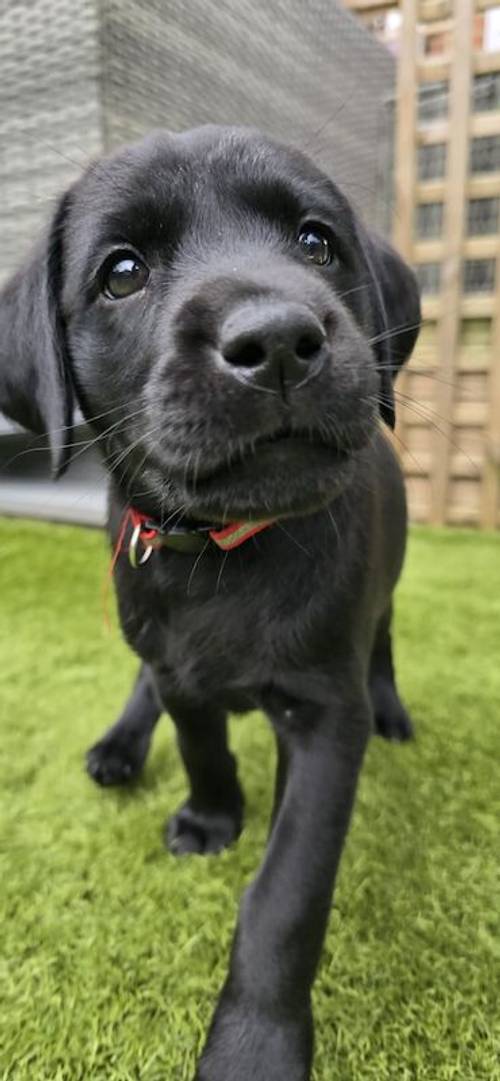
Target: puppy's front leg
pixel 120 754
pixel 262 1029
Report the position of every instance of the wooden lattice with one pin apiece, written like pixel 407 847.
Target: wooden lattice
pixel 447 224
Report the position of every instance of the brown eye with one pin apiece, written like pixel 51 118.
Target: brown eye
pixel 316 245
pixel 124 274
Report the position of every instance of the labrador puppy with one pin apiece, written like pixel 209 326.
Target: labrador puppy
pixel 231 332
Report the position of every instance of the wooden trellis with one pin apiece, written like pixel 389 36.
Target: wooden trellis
pixel 447 224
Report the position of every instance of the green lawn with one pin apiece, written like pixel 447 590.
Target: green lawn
pixel 112 951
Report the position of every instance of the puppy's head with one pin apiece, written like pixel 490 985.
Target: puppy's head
pixel 228 327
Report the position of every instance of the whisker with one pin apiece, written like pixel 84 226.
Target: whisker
pixel 112 427
pixel 292 538
pixel 221 571
pixel 420 412
pixel 427 409
pixel 123 455
pixel 55 150
pixel 136 471
pixel 162 504
pixel 187 466
pixel 258 386
pixel 405 447
pixel 196 564
pixel 334 524
pixel 314 135
pixel 355 289
pixel 197 462
pixel 312 374
pixel 427 374
pixel 393 332
pixel 84 444
pixel 175 516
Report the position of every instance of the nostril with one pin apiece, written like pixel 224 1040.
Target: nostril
pixel 308 345
pixel 275 335
pixel 247 353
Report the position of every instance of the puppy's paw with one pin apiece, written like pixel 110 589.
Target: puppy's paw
pixel 116 760
pixel 202 832
pixel 392 720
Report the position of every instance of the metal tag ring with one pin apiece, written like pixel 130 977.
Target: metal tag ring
pixel 134 560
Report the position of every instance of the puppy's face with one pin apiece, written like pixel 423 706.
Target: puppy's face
pixel 223 317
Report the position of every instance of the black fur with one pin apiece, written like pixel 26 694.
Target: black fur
pixel 243 381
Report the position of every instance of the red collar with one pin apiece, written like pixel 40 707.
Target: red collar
pixel 147 535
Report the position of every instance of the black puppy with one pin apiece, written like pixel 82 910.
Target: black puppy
pixel 230 332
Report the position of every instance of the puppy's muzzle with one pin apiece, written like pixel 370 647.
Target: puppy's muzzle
pixel 282 343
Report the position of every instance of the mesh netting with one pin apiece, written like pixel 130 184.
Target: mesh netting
pixel 77 79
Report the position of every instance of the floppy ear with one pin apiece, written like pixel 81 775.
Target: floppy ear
pixel 35 386
pixel 397 315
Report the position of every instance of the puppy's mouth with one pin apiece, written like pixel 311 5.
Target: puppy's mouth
pixel 282 444
pixel 280 474
pixel 293 435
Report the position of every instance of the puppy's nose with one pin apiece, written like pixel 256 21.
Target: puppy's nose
pixel 281 339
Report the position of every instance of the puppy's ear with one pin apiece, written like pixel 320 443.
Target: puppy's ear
pixel 397 315
pixel 35 384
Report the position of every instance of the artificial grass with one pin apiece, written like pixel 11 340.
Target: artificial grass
pixel 113 951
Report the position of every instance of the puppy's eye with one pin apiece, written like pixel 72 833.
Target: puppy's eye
pixel 316 244
pixel 123 274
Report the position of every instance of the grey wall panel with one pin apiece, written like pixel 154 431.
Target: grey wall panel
pixel 307 73
pixel 77 79
pixel 50 111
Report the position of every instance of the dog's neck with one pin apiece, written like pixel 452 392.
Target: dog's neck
pixel 185 535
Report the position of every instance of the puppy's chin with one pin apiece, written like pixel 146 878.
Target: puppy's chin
pixel 273 482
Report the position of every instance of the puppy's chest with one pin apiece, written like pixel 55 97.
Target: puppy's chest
pixel 229 635
pixel 230 643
